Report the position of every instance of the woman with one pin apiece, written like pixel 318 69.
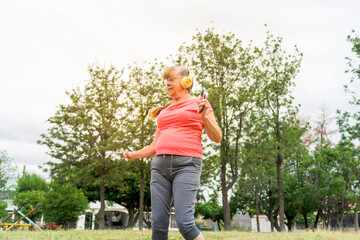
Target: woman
pixel 176 168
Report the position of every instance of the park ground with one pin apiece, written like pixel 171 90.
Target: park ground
pixel 146 235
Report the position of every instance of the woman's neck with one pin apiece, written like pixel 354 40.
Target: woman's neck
pixel 182 98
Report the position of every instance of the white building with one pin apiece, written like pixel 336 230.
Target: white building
pixel 116 216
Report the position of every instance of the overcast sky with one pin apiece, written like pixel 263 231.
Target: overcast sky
pixel 46 46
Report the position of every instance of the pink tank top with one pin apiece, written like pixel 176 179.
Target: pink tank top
pixel 180 128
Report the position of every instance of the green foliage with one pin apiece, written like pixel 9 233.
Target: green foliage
pixel 3 212
pixel 126 192
pixel 31 188
pixel 250 90
pixel 29 182
pixel 144 90
pixel 33 198
pixel 7 170
pixel 349 123
pixel 86 135
pixel 227 70
pixel 211 210
pixel 64 203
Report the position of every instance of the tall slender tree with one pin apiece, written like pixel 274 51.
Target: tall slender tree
pixel 279 70
pixel 144 91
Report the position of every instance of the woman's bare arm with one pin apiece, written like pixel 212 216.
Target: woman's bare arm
pixel 212 129
pixel 145 152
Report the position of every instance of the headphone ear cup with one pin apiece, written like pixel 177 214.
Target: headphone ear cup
pixel 186 82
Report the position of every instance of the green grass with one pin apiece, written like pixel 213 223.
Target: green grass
pixel 146 235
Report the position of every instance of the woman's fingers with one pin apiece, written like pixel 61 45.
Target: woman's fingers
pixel 126 154
pixel 203 103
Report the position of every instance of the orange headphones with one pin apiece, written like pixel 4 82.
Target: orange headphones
pixel 186 82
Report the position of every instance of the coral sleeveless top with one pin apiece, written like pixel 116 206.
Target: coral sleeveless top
pixel 180 128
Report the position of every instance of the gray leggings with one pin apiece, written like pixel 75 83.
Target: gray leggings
pixel 178 177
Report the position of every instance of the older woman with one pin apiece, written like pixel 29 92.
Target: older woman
pixel 176 167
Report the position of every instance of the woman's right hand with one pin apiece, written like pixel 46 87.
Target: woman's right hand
pixel 126 155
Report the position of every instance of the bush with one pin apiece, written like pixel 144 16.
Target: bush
pixel 64 203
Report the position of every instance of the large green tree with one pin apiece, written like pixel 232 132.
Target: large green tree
pixel 240 79
pixel 335 170
pixel 227 70
pixel 86 134
pixel 144 90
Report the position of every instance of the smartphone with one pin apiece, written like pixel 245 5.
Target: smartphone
pixel 202 98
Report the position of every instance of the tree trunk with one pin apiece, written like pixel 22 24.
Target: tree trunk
pixel 141 207
pixel 290 223
pixel 341 220
pixel 280 189
pixel 218 223
pixel 136 218
pixel 317 219
pixel 356 220
pixel 271 208
pixel 102 205
pixel 226 210
pixel 257 209
pixel 131 217
pixel 276 224
pixel 306 222
pixel 225 202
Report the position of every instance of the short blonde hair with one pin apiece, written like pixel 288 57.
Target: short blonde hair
pixel 183 72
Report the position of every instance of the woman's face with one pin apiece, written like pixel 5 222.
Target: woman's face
pixel 173 85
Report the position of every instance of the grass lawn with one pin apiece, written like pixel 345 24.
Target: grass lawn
pixel 146 235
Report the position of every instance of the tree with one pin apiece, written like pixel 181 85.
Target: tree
pixel 322 130
pixel 349 123
pixel 227 70
pixel 279 69
pixel 86 134
pixel 125 193
pixel 33 198
pixel 7 170
pixel 128 195
pixel 144 91
pixel 31 188
pixel 334 171
pixel 29 182
pixel 256 172
pixel 64 203
pixel 212 210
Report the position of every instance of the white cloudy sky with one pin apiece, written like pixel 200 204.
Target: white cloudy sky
pixel 46 46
